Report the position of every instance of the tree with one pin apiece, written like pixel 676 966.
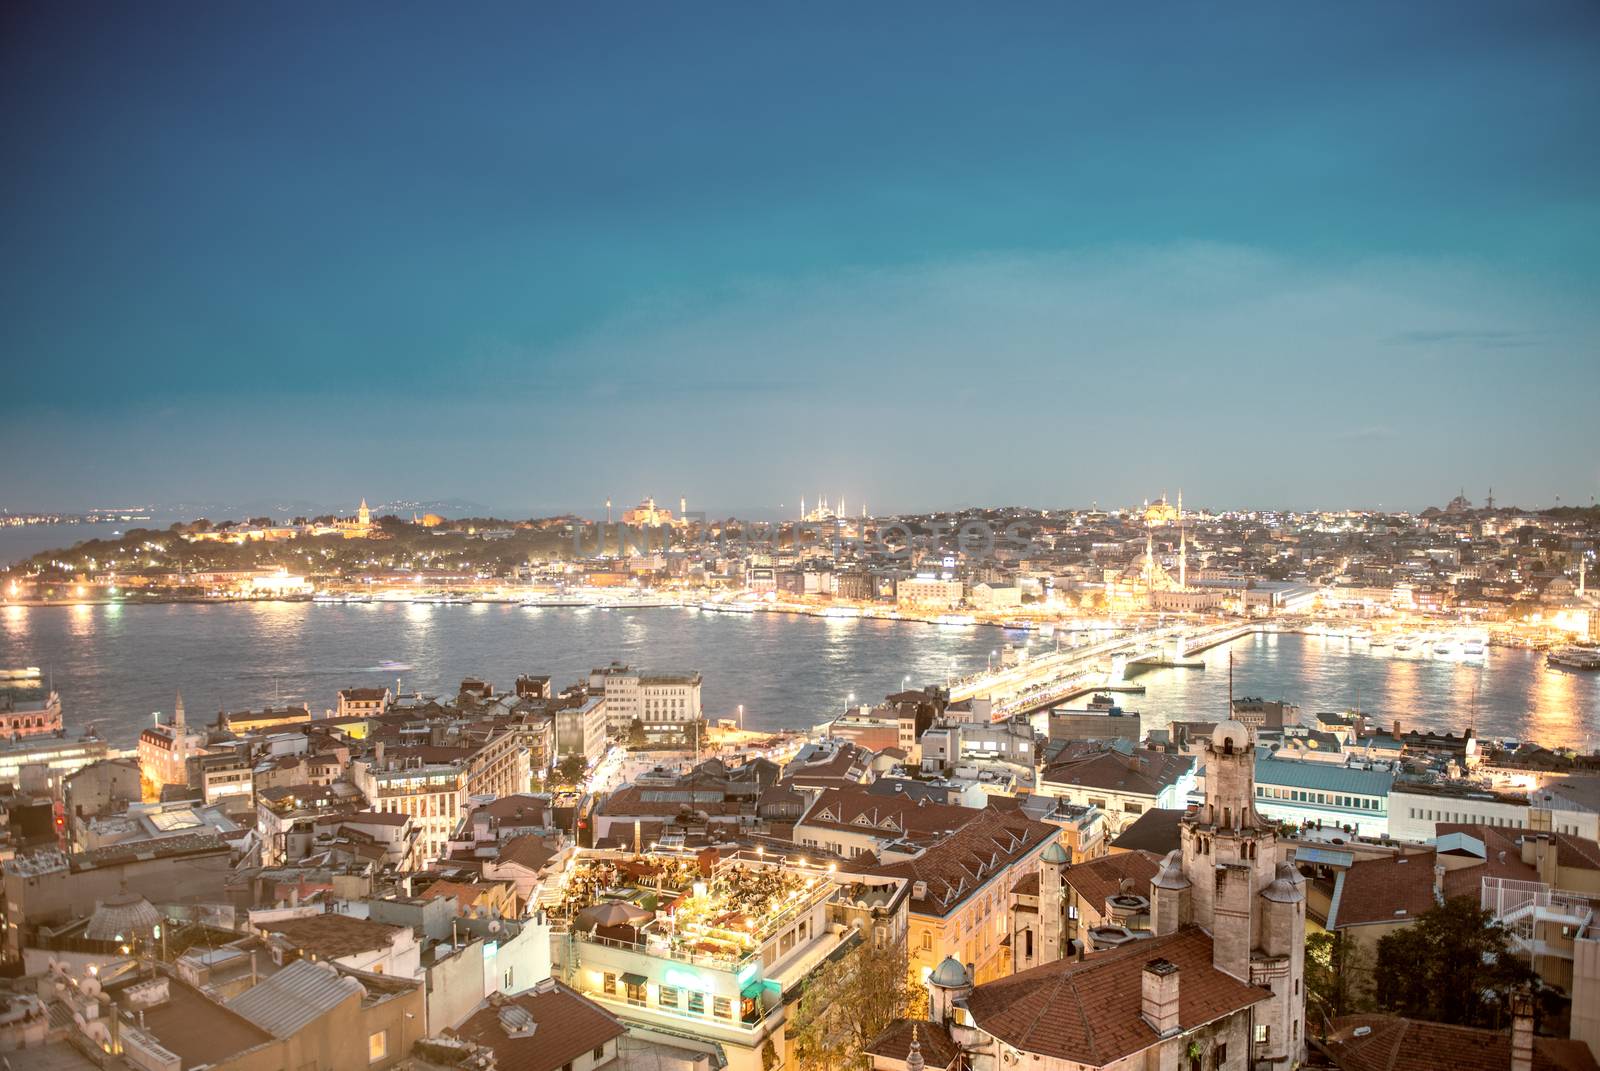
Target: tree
pixel 636 737
pixel 571 768
pixel 846 1004
pixel 1454 964
pixel 1336 971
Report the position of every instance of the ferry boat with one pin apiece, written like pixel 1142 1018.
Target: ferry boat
pixel 840 611
pixel 1585 658
pixel 538 601
pixel 1473 647
pixel 956 620
pixel 24 673
pixel 1018 626
pixel 728 607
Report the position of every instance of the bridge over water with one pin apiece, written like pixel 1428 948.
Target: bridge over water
pixel 1059 675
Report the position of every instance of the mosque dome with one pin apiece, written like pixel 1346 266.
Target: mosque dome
pixel 950 975
pixel 1055 854
pixel 123 918
pixel 1230 735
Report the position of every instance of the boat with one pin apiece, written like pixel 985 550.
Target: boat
pixel 840 611
pixel 728 607
pixel 1018 626
pixel 956 620
pixel 1445 648
pixel 24 673
pixel 538 601
pixel 1472 647
pixel 1584 658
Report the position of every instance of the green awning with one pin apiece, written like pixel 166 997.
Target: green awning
pixel 634 979
pixel 752 989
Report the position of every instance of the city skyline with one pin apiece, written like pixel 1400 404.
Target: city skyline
pixel 1282 259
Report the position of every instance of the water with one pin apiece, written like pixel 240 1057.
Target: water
pixel 22 541
pixel 118 664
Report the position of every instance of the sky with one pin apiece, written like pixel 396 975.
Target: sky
pixel 918 255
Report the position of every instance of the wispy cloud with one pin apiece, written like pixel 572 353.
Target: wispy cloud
pixel 1472 338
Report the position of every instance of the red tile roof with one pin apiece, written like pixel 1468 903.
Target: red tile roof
pixel 1096 879
pixel 1144 773
pixel 1088 1011
pixel 1401 887
pixel 1391 1043
pixel 566 1025
pixel 953 869
pixel 938 1050
pixel 856 810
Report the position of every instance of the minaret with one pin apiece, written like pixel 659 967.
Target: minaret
pixel 802 507
pixel 1183 548
pixel 683 507
pixel 1149 560
pixel 1583 561
pixel 177 715
pixel 608 511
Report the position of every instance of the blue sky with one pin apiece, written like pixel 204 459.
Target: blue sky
pixel 916 254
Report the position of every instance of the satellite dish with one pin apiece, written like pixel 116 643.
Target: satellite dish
pixel 91 987
pixel 494 927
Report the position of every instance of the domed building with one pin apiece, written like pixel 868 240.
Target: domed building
pixel 127 918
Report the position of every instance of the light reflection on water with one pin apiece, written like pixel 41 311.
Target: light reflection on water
pixel 118 664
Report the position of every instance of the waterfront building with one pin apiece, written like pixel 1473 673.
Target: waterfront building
pixel 664 703
pixel 363 702
pixel 23 719
pixel 928 592
pixel 165 750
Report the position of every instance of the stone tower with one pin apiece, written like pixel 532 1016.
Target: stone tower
pixel 364 515
pixel 1226 879
pixel 1051 909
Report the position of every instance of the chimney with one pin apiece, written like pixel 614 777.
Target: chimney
pixel 1521 1032
pixel 1438 883
pixel 1159 997
pixel 377 755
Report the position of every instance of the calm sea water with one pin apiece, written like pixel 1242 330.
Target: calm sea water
pixel 117 665
pixel 23 541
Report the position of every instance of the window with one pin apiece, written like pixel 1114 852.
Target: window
pixel 636 994
pixel 609 984
pixel 1222 1055
pixel 599 1053
pixel 377 1046
pixel 927 940
pixel 508 979
pixel 1263 1033
pixel 722 1007
pixel 697 1003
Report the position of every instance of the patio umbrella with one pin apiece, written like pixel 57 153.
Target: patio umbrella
pixel 613 913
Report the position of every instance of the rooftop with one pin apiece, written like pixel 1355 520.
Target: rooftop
pixel 1391 1043
pixel 542 1029
pixel 1088 1011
